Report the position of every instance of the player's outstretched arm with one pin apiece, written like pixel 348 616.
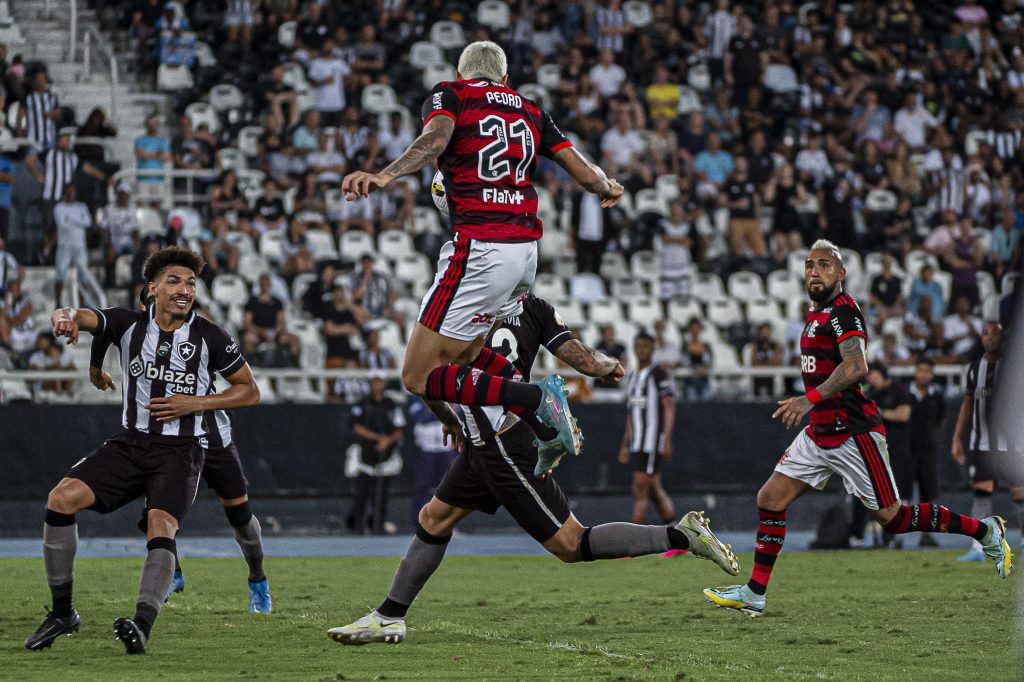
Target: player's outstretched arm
pixel 69 321
pixel 424 149
pixel 243 392
pixel 963 420
pixel 589 361
pixel 850 371
pixel 589 175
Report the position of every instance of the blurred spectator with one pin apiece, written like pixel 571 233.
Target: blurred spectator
pixel 666 353
pixel 394 139
pixel 961 332
pixel 220 253
pixel 7 177
pixel 678 238
pixel 611 347
pixel 152 153
pixel 327 162
pixel 192 149
pixel 611 27
pixel 52 355
pixel 268 213
pixel 744 203
pixel 925 286
pixel 434 457
pixel 306 139
pixel 228 203
pixel 10 270
pixel 377 423
pixel 1002 246
pixel 719 28
pixel 886 292
pixel 744 59
pixel 890 352
pixel 765 352
pixel 812 163
pixel 263 328
pixel 177 42
pixel 722 117
pixel 663 147
pixel 296 254
pixel 277 94
pixel 591 233
pixel 327 75
pixel 120 228
pixel 73 221
pixel 319 294
pixel 662 96
pixel 606 76
pixel 913 122
pixel 622 148
pixel 358 141
pixel 374 356
pixel 342 322
pixel 370 57
pixel 870 119
pixel 97 125
pixel 373 290
pixel 238 21
pixel 17 325
pixel 927 414
pixel 965 258
pixel 922 329
pixel 713 166
pixel 39 117
pixel 697 355
pixel 789 197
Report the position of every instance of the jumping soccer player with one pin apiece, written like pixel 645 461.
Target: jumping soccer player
pixel 222 471
pixel 846 437
pixel 169 357
pixel 486 138
pixel 499 467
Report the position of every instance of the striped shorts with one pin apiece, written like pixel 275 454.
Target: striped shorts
pixel 478 283
pixel 862 461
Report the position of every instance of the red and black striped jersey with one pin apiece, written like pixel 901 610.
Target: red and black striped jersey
pixel 838 416
pixel 490 159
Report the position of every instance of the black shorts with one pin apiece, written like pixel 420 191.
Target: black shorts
pixel 223 472
pixel 1005 467
pixel 130 465
pixel 500 474
pixel 646 462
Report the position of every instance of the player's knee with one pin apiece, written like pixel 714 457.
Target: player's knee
pixel 766 499
pixel 59 500
pixel 435 521
pixel 565 546
pixel 413 381
pixel 161 524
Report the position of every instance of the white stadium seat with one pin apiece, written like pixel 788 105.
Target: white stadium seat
pixel 286 34
pixel 667 187
pixel 586 287
pixel 151 223
pixel 535 92
pixel 723 312
pixel 630 289
pixel 394 244
pixel 604 311
pixel 549 286
pixel 424 53
pixel 681 311
pixel 321 245
pixel 784 285
pixel 644 312
pixel 251 266
pixel 230 290
pixel 202 112
pixel 415 270
pixel 638 13
pixel 549 76
pixel 707 286
pixel 613 265
pixel 648 201
pixel 171 77
pixel 248 140
pixel 448 35
pixel 645 265
pixel 225 96
pixel 1010 280
pixel 571 312
pixel 230 157
pixel 760 310
pixel 379 97
pixel 354 244
pixel 494 14
pixel 745 285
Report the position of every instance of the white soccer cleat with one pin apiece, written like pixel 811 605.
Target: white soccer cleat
pixel 372 627
pixel 704 544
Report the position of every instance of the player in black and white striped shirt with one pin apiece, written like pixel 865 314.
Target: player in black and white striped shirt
pixel 168 358
pixel 990 451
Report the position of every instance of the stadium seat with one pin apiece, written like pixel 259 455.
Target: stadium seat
pixel 248 141
pixel 424 53
pixel 880 201
pixel 604 311
pixel 205 57
pixel 536 93
pixel 873 266
pixel 761 310
pixel 972 141
pixel 353 244
pixel 301 283
pixel 379 97
pixel 426 220
pixel 230 157
pixel 295 76
pixel 395 244
pixel 170 78
pixel 571 312
pixel 251 266
pixel 586 287
pixel 321 245
pixel 242 240
pixel 1010 280
pixel 689 100
pixel 917 259
pixel 437 73
pixel 555 243
pixel 625 201
pixel 298 390
pixel 225 97
pixel 745 286
pixel 202 112
pixel 638 13
pixel 707 286
pixel 564 264
pixel 698 76
pixel 647 200
pixel 784 285
pixel 724 312
pixel 549 286
pixel 667 187
pixel 494 14
pixel 645 265
pixel 613 265
pixel 795 262
pixel 854 268
pixel 286 34
pixel 414 270
pixel 549 76
pixel 796 308
pixel 681 311
pixel 644 312
pixel 448 35
pixel 630 289
pixel 230 290
pixel 945 280
pixel 990 309
pixel 151 223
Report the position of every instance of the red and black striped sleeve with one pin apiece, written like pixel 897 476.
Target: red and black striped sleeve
pixel 552 139
pixel 442 100
pixel 847 321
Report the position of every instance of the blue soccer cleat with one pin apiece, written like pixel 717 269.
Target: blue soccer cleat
pixel 259 597
pixel 996 547
pixel 177 585
pixel 738 597
pixel 554 411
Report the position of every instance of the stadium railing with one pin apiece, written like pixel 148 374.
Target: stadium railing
pixel 188 192
pixel 20 380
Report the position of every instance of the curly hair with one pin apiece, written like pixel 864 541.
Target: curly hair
pixel 172 255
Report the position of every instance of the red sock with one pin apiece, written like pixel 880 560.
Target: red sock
pixel 771 533
pixel 934 518
pixel 498 365
pixel 466 385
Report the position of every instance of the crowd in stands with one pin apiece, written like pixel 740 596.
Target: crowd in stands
pixel 742 131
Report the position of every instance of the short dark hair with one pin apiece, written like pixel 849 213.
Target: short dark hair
pixel 172 255
pixel 926 361
pixel 643 336
pixel 881 369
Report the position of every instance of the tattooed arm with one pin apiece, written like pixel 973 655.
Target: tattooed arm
pixel 589 361
pixel 851 370
pixel 424 149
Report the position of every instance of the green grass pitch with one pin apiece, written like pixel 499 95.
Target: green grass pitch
pixel 854 615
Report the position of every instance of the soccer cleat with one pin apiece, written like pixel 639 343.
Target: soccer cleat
pixel 372 627
pixel 973 554
pixel 703 543
pixel 737 597
pixel 996 547
pixel 131 635
pixel 259 597
pixel 554 411
pixel 177 585
pixel 53 627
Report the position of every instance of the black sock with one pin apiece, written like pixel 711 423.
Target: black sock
pixel 61 598
pixel 177 565
pixel 145 616
pixel 392 609
pixel 677 538
pixel 543 431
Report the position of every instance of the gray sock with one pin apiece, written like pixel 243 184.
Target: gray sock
pixel 981 508
pixel 157 573
pixel 424 555
pixel 60 543
pixel 250 539
pixel 617 540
